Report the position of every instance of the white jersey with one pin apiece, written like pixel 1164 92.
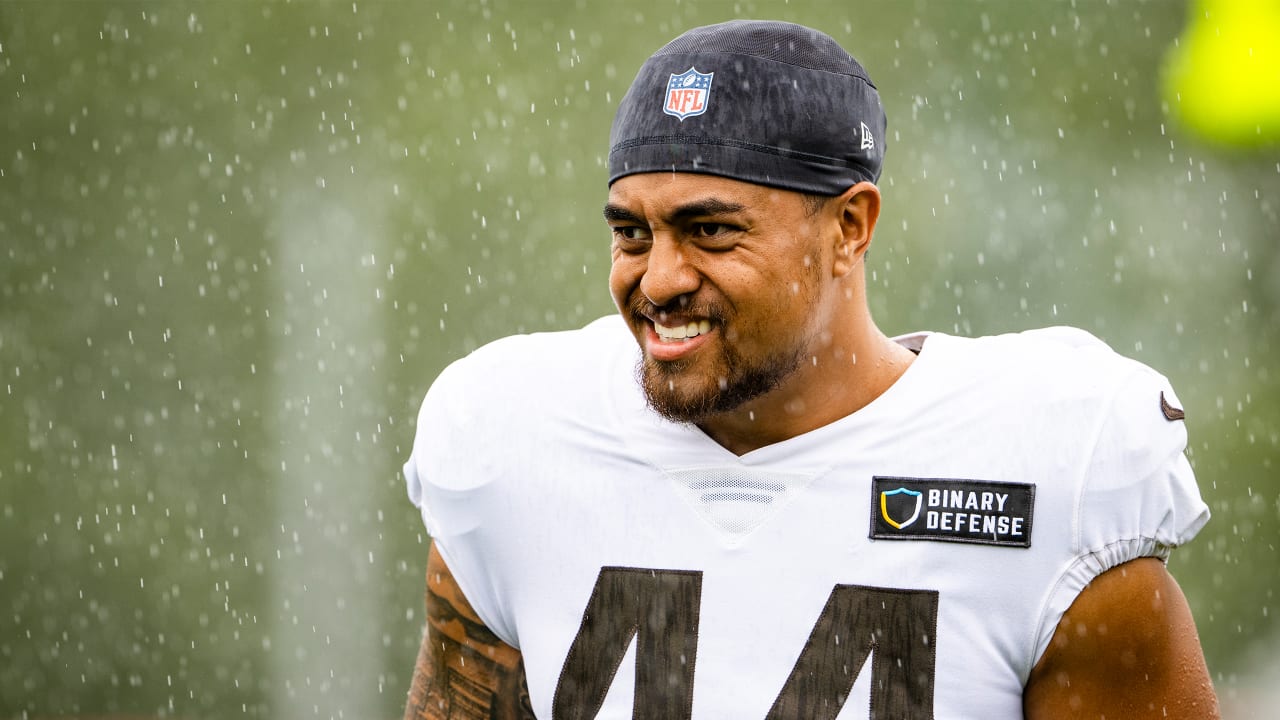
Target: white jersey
pixel 909 560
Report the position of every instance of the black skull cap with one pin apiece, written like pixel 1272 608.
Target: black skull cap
pixel 766 102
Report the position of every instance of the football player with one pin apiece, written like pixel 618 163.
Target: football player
pixel 738 498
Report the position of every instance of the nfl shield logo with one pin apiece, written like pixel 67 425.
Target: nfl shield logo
pixel 688 94
pixel 900 507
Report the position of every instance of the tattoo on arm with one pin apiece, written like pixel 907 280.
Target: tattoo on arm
pixel 464 671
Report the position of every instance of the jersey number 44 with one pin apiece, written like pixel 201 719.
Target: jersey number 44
pixel 659 610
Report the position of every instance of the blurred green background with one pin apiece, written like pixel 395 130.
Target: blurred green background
pixel 238 241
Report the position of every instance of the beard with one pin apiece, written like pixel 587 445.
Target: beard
pixel 737 380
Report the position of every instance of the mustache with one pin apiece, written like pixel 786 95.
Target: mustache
pixel 640 307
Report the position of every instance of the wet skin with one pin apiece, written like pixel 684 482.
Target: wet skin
pixel 782 344
pixel 772 289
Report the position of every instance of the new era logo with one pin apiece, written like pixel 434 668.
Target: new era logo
pixel 868 142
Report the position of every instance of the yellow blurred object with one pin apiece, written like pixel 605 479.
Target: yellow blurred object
pixel 1222 78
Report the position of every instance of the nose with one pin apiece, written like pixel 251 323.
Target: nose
pixel 668 274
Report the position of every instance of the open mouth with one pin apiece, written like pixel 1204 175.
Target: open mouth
pixel 673 333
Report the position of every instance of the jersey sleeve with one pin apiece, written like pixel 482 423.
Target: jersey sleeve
pixel 452 483
pixel 1138 496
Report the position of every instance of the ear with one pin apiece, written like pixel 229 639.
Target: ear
pixel 859 209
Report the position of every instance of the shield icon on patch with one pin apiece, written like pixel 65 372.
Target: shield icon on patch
pixel 900 507
pixel 688 94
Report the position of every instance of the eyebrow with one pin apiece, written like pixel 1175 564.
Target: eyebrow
pixel 697 208
pixel 616 213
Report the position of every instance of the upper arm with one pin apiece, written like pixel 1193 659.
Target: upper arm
pixel 463 669
pixel 1126 648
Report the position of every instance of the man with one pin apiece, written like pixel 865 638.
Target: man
pixel 741 500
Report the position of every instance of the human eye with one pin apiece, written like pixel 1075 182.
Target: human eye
pixel 715 236
pixel 630 238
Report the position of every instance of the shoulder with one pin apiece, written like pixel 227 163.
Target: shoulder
pixel 1109 430
pixel 558 354
pixel 518 389
pixel 1119 416
pixel 1061 348
pixel 1053 369
pixel 1137 416
pixel 533 366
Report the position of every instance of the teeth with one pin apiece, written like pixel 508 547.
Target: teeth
pixel 682 332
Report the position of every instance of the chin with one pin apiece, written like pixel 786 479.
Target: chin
pixel 678 392
pixel 667 392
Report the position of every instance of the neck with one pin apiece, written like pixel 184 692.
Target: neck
pixel 840 378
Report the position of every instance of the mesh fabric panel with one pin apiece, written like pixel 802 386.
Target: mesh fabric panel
pixel 736 500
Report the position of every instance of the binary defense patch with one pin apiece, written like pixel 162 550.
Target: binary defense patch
pixel 952 510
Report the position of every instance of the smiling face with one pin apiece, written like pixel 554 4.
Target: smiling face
pixel 729 287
